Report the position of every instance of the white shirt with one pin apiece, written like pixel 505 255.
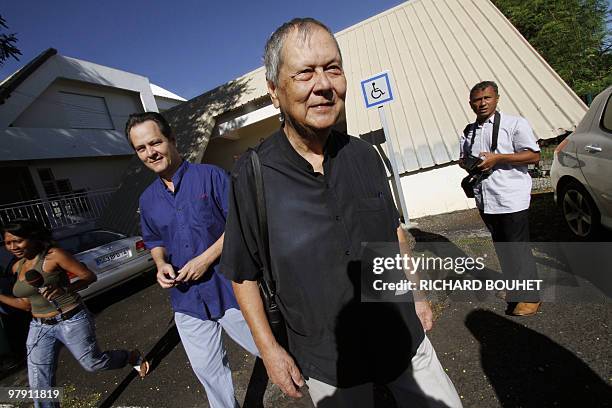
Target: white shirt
pixel 508 188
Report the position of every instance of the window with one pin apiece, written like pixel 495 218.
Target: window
pixel 86 111
pixel 52 186
pixel 45 175
pixel 606 118
pixel 88 240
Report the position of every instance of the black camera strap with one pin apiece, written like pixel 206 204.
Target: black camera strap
pixel 496 122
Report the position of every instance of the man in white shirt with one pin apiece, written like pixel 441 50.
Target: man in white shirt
pixel 503 197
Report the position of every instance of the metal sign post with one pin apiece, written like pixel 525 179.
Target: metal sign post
pixel 396 178
pixel 377 92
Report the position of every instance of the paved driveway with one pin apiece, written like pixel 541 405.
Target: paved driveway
pixel 560 357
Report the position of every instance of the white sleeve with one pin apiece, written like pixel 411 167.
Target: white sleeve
pixel 462 140
pixel 523 137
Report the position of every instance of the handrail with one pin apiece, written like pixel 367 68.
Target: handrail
pixel 59 211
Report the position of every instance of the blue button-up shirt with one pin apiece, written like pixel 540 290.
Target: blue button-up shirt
pixel 186 222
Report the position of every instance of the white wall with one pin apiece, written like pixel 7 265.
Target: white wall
pixel 429 192
pixel 221 151
pixel 88 173
pixel 435 191
pixel 49 111
pixel 59 66
pixel 165 103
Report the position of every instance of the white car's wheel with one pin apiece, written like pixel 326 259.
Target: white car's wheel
pixel 579 211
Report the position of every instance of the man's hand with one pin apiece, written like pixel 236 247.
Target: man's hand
pixel 489 160
pixel 166 276
pixel 193 270
pixel 423 311
pixel 283 371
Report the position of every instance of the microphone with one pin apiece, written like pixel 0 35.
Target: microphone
pixel 35 279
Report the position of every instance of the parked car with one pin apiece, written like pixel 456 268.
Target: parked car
pixel 581 173
pixel 114 258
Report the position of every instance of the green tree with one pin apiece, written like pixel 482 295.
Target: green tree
pixel 7 44
pixel 573 36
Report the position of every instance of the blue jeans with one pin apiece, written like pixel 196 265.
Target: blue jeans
pixel 79 336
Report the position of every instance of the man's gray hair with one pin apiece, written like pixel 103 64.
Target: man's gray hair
pixel 274 45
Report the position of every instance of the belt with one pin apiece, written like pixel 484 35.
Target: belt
pixel 60 317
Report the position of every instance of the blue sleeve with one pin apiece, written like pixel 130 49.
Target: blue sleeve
pixel 221 186
pixel 150 235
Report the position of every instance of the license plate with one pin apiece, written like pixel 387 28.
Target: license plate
pixel 122 253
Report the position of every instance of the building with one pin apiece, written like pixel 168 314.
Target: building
pixel 61 132
pixel 436 50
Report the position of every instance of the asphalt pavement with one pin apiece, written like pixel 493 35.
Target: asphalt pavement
pixel 558 358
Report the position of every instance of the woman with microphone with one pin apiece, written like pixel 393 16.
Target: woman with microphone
pixel 42 286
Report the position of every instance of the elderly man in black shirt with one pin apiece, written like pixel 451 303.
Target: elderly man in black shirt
pixel 326 193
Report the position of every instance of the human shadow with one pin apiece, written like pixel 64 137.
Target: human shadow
pixel 257 386
pixel 527 369
pixel 564 267
pixel 442 247
pixel 375 342
pixel 160 350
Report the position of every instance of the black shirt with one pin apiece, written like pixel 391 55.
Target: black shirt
pixel 317 223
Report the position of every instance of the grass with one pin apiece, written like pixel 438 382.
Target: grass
pixel 71 400
pixel 546 153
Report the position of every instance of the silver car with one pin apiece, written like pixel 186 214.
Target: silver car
pixel 581 173
pixel 113 257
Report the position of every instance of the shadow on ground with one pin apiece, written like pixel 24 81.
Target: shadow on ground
pixel 160 350
pixel 527 369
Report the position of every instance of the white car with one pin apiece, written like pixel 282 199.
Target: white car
pixel 581 173
pixel 113 257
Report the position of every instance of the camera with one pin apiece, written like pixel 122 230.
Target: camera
pixel 475 174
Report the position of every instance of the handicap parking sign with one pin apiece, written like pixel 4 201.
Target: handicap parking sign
pixel 377 90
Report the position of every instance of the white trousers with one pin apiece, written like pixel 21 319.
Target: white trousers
pixel 206 352
pixel 423 385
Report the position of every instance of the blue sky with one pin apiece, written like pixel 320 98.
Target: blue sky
pixel 187 47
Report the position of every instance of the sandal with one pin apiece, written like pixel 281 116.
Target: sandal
pixel 139 362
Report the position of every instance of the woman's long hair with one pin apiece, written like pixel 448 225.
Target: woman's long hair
pixel 31 230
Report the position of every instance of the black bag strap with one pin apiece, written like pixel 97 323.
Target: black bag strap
pixel 495 136
pixel 262 221
pixel 496 121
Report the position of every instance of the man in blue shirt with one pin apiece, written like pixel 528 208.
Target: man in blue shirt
pixel 183 216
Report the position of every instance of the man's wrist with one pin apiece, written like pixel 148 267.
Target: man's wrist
pixel 204 261
pixel 160 264
pixel 268 348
